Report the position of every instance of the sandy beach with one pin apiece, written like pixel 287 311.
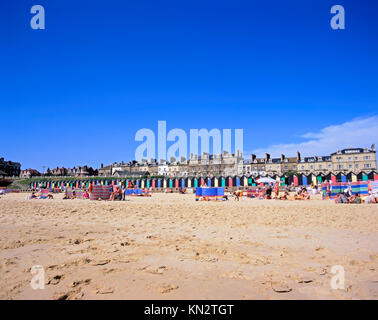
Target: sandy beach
pixel 171 247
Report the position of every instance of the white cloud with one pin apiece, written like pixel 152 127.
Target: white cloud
pixel 360 132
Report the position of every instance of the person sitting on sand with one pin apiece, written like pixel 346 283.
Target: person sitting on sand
pixel 85 194
pixel 268 191
pixel 50 196
pixel 356 199
pixel 182 190
pixel 238 194
pixel 341 198
pixel 33 195
pixel 372 197
pixel 305 195
pixel 260 193
pixel 65 196
pixel 116 194
pixel 286 196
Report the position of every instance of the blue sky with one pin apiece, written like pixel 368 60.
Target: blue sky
pixel 77 92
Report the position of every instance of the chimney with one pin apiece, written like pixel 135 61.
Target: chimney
pixel 298 156
pixel 373 147
pixel 253 157
pixel 282 157
pixel 267 157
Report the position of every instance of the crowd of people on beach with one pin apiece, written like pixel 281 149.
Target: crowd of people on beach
pixel 347 197
pixel 272 191
pixel 267 191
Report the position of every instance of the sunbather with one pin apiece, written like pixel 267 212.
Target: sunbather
pixel 286 196
pixel 355 199
pixel 238 194
pixel 116 194
pixel 182 190
pixel 341 198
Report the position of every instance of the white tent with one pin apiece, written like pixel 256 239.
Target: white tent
pixel 266 180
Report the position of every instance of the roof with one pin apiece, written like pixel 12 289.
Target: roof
pixel 352 150
pixel 129 174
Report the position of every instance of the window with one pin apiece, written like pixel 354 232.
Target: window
pixel 302 167
pixel 356 166
pixel 366 157
pixel 350 166
pixel 330 166
pixel 311 167
pixel 367 165
pixel 320 167
pixel 340 167
pixel 355 158
pixel 349 158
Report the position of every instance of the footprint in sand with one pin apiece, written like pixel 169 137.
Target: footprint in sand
pixel 81 282
pixel 280 287
pixel 165 288
pixel 55 280
pixel 74 294
pixel 154 270
pixel 100 263
pixel 104 291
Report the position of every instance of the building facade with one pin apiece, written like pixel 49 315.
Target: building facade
pixel 342 161
pixel 227 164
pixel 28 173
pixel 10 168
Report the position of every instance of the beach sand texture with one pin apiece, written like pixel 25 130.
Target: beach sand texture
pixel 169 246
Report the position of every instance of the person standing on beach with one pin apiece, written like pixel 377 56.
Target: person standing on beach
pixel 276 190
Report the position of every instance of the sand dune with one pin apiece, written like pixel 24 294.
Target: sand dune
pixel 171 247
